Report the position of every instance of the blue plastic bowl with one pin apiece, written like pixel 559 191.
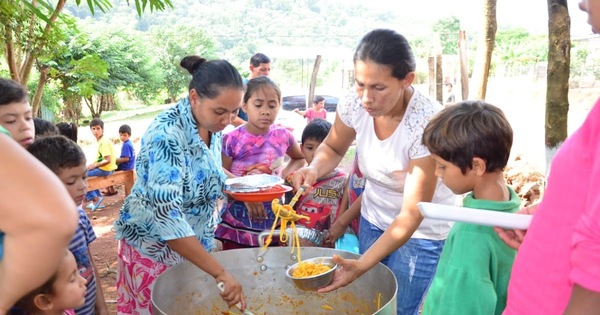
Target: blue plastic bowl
pixel 348 242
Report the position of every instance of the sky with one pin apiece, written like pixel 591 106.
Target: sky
pixel 529 14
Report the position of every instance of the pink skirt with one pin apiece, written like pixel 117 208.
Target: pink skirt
pixel 137 274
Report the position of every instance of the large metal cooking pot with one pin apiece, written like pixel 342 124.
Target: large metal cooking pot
pixel 185 289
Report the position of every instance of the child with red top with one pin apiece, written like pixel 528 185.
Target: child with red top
pixel 322 204
pixel 315 112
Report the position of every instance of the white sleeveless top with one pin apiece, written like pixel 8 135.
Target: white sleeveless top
pixel 384 163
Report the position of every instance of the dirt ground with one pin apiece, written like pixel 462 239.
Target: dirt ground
pixel 104 249
pixel 523 174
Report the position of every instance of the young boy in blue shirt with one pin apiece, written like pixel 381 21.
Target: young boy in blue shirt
pixel 470 142
pixel 126 161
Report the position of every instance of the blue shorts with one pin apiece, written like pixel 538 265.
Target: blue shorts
pixel 413 264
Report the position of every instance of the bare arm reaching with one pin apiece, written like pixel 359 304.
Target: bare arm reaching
pixel 38 218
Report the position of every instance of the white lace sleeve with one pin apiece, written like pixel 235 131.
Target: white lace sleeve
pixel 418 116
pixel 348 106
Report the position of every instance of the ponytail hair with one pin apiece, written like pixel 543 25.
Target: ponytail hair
pixel 210 77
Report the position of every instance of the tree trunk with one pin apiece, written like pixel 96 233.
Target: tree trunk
pixel 431 76
pixel 72 104
pixel 106 102
pixel 89 102
pixel 35 51
pixel 557 90
pixel 11 55
pixel 481 69
pixel 32 49
pixel 464 64
pixel 37 97
pixel 439 77
pixel 313 81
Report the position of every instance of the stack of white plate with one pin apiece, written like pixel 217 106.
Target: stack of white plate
pixel 252 183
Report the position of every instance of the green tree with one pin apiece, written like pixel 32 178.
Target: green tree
pixel 25 35
pixel 171 45
pixel 27 30
pixel 103 5
pixel 130 68
pixel 448 29
pixel 75 68
pixel 96 66
pixel 516 49
pixel 485 47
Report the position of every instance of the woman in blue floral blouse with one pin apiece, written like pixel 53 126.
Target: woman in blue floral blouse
pixel 172 211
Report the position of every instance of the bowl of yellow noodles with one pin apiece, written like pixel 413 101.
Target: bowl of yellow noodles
pixel 311 274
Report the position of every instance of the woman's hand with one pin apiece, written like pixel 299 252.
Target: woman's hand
pixel 256 210
pixel 232 291
pixel 513 237
pixel 305 176
pixel 346 272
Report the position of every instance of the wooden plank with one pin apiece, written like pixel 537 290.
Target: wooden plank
pixel 125 178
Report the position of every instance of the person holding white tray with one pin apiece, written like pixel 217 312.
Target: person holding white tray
pixel 557 268
pixel 470 143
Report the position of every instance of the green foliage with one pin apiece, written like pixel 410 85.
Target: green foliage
pixel 51 98
pixel 26 30
pixel 96 65
pixel 584 65
pixel 237 32
pixel 516 50
pixel 170 46
pixel 117 50
pixel 88 73
pixel 448 29
pixel 103 5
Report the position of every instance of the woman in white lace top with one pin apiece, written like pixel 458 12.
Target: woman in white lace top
pixel 386 116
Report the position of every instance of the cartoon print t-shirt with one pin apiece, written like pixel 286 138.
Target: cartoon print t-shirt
pixel 322 204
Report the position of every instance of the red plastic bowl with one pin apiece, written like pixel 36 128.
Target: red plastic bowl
pixel 263 195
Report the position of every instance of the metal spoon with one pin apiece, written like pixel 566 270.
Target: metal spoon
pixel 221 287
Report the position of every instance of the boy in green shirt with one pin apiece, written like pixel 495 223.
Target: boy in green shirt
pixel 470 142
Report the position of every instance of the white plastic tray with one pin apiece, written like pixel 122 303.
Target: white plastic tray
pixel 475 216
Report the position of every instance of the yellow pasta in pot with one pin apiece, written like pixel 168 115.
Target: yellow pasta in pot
pixel 309 269
pixel 327 307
